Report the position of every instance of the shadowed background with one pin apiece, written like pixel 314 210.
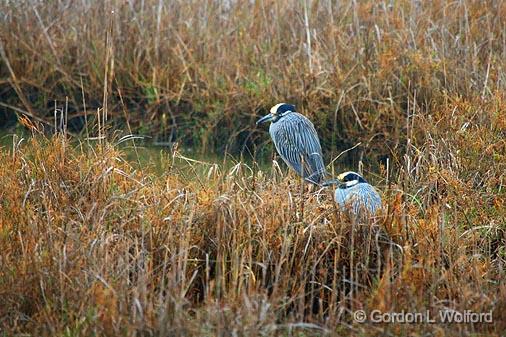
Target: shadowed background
pixel 94 243
pixel 201 72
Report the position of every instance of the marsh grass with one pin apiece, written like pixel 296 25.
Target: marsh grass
pixel 201 73
pixel 95 243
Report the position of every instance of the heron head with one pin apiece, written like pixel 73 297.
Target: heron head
pixel 351 178
pixel 276 112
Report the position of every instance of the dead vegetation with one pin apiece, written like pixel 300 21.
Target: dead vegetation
pixel 201 73
pixel 93 244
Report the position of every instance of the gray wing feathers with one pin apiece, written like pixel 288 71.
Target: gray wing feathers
pixel 297 143
pixel 358 198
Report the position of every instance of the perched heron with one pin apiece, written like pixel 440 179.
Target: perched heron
pixel 296 141
pixel 356 195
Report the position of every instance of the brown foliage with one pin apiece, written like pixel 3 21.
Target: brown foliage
pixel 91 245
pixel 201 73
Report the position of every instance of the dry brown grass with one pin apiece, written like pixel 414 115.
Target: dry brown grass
pixel 201 72
pixel 92 244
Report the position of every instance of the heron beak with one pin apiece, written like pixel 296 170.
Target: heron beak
pixel 265 118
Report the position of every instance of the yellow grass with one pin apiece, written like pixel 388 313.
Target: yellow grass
pixel 93 244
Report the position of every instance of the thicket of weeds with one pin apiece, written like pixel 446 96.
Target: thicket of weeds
pixel 92 244
pixel 202 72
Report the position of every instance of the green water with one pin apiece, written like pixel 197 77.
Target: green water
pixel 185 161
pixel 191 164
pixel 142 155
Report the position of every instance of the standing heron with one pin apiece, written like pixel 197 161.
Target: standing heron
pixel 296 141
pixel 357 195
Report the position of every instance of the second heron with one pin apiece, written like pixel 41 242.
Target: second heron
pixel 296 141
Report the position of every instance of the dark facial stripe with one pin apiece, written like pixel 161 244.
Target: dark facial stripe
pixel 353 176
pixel 284 108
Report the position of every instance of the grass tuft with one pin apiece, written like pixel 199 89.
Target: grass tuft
pixel 93 245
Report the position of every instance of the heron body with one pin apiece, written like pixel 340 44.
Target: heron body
pixel 296 141
pixel 356 195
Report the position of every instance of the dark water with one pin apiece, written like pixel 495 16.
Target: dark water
pixel 143 154
pixel 187 162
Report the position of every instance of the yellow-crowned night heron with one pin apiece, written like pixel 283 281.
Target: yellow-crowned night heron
pixel 356 195
pixel 296 141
